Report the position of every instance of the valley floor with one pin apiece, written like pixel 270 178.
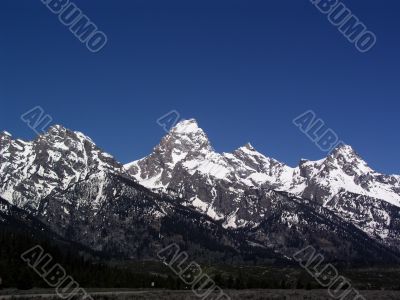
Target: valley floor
pixel 113 294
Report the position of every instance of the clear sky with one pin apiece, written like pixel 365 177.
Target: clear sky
pixel 244 69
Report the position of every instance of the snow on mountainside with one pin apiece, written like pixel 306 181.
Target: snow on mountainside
pixel 29 171
pixel 184 143
pixel 184 163
pixel 187 147
pixel 344 170
pixel 64 180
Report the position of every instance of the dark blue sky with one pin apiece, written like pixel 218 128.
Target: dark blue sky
pixel 243 69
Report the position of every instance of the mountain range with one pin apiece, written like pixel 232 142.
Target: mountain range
pixel 231 207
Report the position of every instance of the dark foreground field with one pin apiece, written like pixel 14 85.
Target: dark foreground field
pixel 187 295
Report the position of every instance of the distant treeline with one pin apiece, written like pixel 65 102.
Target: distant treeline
pixel 86 271
pixel 91 270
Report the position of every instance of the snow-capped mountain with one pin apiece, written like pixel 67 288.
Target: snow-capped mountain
pixel 187 147
pixel 185 164
pixel 345 170
pixel 69 187
pixel 30 171
pixel 236 206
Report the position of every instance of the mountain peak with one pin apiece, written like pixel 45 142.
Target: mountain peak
pixel 349 161
pixel 186 127
pixel 54 129
pixel 249 146
pixel 62 132
pixel 6 133
pixel 57 126
pixel 187 136
pixel 344 148
pixel 345 152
